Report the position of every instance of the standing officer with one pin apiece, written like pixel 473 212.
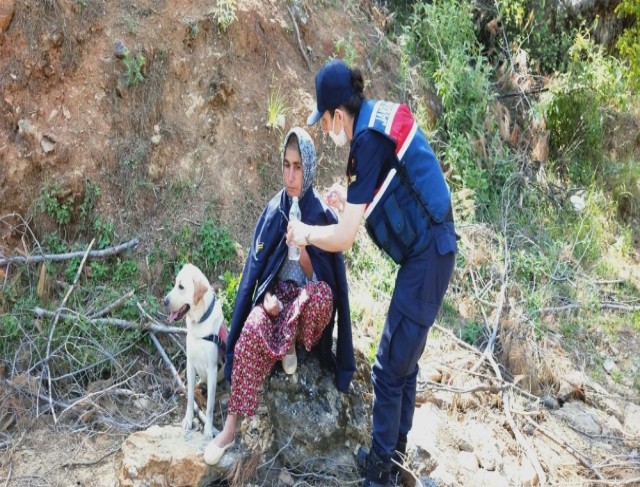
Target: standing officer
pixel 395 183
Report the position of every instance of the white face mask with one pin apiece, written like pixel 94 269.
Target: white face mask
pixel 340 139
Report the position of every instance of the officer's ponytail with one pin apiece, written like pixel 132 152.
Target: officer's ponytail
pixel 352 105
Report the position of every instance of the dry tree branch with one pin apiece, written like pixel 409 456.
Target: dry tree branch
pixel 295 25
pixel 131 325
pixel 31 259
pixel 531 455
pixel 111 306
pixel 9 474
pixel 602 304
pixel 55 322
pixel 273 459
pixel 89 464
pixel 575 453
pixel 632 482
pixel 37 395
pixel 97 393
pixel 456 390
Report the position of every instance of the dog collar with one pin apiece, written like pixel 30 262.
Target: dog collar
pixel 209 310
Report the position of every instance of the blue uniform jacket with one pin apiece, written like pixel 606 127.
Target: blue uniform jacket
pixel 268 251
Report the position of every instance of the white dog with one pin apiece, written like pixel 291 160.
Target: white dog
pixel 193 297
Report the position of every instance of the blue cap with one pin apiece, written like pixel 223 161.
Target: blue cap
pixel 333 88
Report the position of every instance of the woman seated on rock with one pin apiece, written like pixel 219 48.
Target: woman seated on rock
pixel 281 301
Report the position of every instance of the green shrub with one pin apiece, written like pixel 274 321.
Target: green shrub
pixel 471 332
pixel 443 39
pixel 133 68
pixel 224 13
pixel 629 42
pixel 228 293
pixel 214 246
pixel 539 27
pixel 575 109
pixel 56 204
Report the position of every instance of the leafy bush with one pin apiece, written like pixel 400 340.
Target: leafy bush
pixel 442 37
pixel 228 293
pixel 575 109
pixel 224 13
pixel 629 42
pixel 214 246
pixel 56 204
pixel 133 68
pixel 539 27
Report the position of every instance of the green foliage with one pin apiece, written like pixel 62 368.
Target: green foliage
pixel 133 68
pixel 55 203
pixel 10 333
pixel 345 49
pixel 441 36
pixel 228 293
pixel 276 110
pixel 53 243
pixel 629 42
pixel 369 264
pixel 576 107
pixel 91 197
pixel 540 28
pixel 471 332
pixel 125 271
pixel 104 232
pixel 213 247
pixel 224 13
pixel 100 271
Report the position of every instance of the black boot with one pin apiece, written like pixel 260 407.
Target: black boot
pixel 375 469
pixel 398 459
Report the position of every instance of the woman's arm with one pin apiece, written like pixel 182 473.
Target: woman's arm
pixel 331 238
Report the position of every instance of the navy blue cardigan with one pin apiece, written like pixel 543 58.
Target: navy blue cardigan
pixel 268 251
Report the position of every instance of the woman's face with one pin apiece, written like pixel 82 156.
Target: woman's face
pixel 292 172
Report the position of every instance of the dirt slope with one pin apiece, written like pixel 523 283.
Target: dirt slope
pixel 196 121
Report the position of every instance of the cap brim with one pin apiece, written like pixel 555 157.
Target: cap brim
pixel 314 117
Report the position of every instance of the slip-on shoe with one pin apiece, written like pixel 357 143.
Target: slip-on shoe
pixel 213 453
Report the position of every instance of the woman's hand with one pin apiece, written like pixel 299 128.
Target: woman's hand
pixel 336 196
pixel 271 304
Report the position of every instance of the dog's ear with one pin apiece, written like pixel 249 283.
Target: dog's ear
pixel 199 290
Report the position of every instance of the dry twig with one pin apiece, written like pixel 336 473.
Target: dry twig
pixel 55 322
pixel 295 25
pixel 89 464
pixel 575 453
pixel 113 321
pixel 31 259
pixel 111 306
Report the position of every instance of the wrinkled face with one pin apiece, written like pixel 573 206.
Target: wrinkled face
pixel 189 288
pixel 292 172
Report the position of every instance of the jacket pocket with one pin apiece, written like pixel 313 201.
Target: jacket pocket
pixel 445 237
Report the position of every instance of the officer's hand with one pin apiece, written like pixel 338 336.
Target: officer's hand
pixel 336 196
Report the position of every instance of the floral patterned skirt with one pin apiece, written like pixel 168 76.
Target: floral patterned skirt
pixel 265 339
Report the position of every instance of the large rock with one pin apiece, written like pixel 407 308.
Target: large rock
pixel 168 455
pixel 7 9
pixel 314 425
pixel 314 428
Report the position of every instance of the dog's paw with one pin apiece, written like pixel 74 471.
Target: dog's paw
pixel 187 423
pixel 208 430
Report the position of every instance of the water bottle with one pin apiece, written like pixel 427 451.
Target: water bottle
pixel 294 215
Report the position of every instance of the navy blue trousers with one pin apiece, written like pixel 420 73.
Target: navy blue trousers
pixel 420 286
